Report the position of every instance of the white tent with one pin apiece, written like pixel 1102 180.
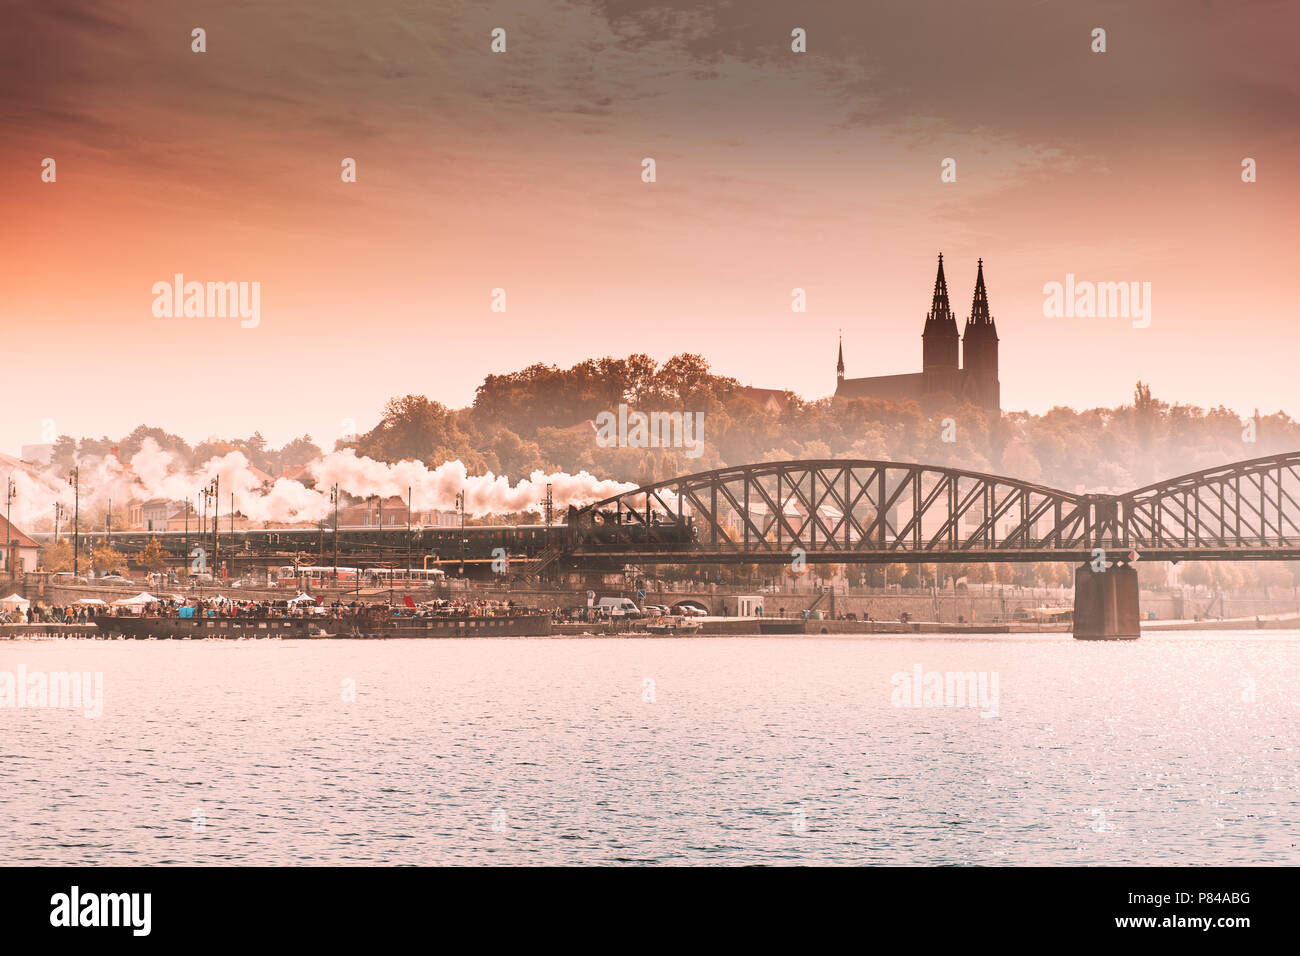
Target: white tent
pixel 15 602
pixel 144 597
pixel 92 601
pixel 302 596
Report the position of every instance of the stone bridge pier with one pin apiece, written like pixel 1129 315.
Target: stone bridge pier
pixel 1106 604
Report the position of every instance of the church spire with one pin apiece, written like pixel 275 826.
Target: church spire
pixel 839 366
pixel 979 307
pixel 939 341
pixel 940 305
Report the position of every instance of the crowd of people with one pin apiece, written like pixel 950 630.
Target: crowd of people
pixel 220 607
pixel 57 614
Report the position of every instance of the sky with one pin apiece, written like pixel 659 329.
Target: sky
pixel 522 171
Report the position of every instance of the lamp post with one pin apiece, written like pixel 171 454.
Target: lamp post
pixel 204 494
pixel 460 505
pixel 74 480
pixel 334 499
pixel 209 494
pixel 408 535
pixel 216 525
pixel 58 515
pixel 10 494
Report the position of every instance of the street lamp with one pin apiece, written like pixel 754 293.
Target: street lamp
pixel 74 480
pixel 210 493
pixel 460 505
pixel 216 526
pixel 10 494
pixel 334 499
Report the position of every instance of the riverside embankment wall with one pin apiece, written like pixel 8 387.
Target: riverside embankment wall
pixel 976 605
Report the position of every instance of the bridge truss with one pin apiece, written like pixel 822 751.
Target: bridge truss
pixel 885 512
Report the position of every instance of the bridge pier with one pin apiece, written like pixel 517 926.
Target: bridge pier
pixel 1106 604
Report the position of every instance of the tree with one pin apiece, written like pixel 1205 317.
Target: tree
pixel 57 556
pixel 108 559
pixel 412 427
pixel 166 441
pixel 153 557
pixel 295 454
pixel 517 458
pixel 1194 573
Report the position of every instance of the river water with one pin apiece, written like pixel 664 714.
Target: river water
pixel 1176 748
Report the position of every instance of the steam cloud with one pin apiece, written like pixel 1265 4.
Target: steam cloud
pixel 154 473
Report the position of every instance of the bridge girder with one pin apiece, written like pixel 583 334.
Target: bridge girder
pixel 862 511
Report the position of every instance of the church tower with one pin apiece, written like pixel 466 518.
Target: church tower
pixel 939 342
pixel 839 366
pixel 980 351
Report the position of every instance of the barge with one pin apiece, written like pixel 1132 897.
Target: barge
pixel 197 629
pixel 517 623
pixel 379 624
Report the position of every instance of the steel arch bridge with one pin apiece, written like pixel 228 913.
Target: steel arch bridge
pixel 867 512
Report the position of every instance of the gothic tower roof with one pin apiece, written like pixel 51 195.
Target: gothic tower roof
pixel 940 316
pixel 980 317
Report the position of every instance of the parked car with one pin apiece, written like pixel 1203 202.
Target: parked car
pixel 114 579
pixel 67 577
pixel 618 607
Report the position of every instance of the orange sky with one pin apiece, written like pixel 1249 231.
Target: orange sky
pixel 522 171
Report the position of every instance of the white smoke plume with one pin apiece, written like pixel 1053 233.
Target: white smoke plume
pixel 154 473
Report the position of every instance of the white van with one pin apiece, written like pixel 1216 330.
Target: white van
pixel 618 607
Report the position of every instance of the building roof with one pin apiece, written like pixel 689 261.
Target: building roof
pixel 13 533
pixel 776 398
pixel 895 388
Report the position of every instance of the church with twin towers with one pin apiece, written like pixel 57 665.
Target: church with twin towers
pixel 973 379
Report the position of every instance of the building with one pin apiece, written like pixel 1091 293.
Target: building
pixel 25 555
pixel 154 514
pixel 974 378
pixel 774 400
pixel 184 517
pixel 390 512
